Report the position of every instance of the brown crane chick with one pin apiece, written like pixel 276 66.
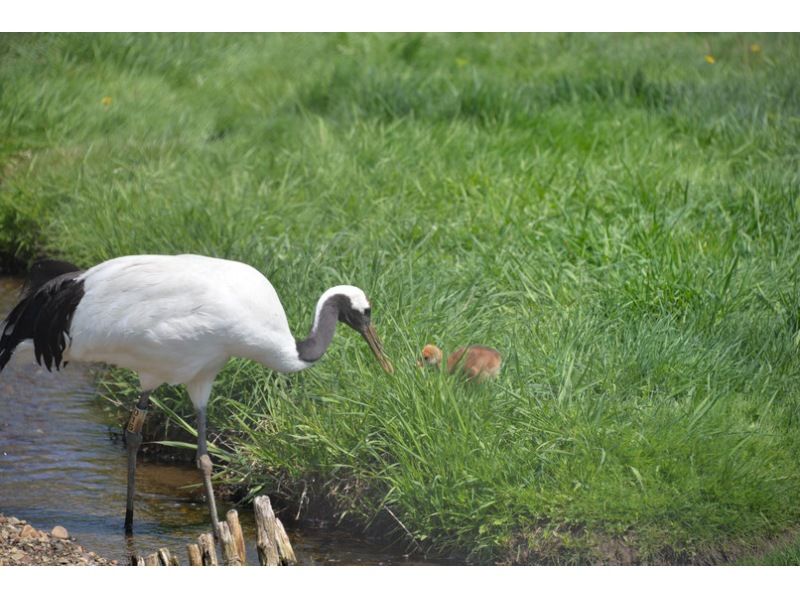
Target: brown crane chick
pixel 476 362
pixel 431 356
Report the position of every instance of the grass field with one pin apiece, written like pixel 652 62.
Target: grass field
pixel 618 214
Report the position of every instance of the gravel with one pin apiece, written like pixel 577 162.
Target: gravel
pixel 22 544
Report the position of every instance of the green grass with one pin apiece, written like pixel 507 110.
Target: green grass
pixel 615 214
pixel 786 555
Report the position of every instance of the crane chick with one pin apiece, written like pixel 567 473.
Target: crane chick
pixel 476 362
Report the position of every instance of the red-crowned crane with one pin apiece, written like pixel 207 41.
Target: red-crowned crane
pixel 174 320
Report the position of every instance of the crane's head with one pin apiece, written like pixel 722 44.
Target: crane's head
pixel 431 356
pixel 356 312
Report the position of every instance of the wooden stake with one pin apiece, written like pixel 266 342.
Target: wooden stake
pixel 195 558
pixel 229 550
pixel 151 560
pixel 164 557
pixel 208 550
pixel 232 518
pixel 138 561
pixel 284 546
pixel 265 525
pixel 174 560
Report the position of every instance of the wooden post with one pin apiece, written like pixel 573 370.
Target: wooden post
pixel 208 550
pixel 165 557
pixel 230 551
pixel 235 527
pixel 284 546
pixel 195 558
pixel 274 547
pixel 265 524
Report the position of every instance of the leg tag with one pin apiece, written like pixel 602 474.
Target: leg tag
pixel 136 421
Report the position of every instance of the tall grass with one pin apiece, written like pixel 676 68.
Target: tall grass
pixel 616 215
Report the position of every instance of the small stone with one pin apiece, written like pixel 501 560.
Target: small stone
pixel 13 521
pixel 60 533
pixel 28 532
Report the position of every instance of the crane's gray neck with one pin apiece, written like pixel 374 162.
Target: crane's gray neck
pixel 311 348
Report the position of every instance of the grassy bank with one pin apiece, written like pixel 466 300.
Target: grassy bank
pixel 617 214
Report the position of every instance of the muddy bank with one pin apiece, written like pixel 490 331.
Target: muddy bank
pixel 22 544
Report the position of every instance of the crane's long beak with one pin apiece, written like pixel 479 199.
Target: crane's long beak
pixel 374 343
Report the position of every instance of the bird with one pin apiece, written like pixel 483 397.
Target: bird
pixel 172 319
pixel 476 362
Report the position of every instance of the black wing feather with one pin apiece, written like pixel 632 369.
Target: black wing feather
pixel 44 314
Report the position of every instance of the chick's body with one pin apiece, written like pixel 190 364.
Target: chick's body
pixel 476 362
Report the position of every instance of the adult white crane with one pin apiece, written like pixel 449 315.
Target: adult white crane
pixel 174 320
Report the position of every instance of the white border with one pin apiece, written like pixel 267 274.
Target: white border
pixel 405 582
pixel 406 15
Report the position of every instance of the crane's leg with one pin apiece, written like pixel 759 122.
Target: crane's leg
pixel 205 466
pixel 133 439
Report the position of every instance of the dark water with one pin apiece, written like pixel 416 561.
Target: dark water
pixel 62 464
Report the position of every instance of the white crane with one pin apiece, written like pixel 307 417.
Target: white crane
pixel 174 320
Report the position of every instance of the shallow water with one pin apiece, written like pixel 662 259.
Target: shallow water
pixel 61 463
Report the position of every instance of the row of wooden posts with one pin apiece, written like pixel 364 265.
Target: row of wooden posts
pixel 272 542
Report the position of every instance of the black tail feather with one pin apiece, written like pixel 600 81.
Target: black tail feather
pixel 44 313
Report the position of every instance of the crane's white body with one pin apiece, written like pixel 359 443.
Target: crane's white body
pixel 179 319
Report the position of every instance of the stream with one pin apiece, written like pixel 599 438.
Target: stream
pixel 62 463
